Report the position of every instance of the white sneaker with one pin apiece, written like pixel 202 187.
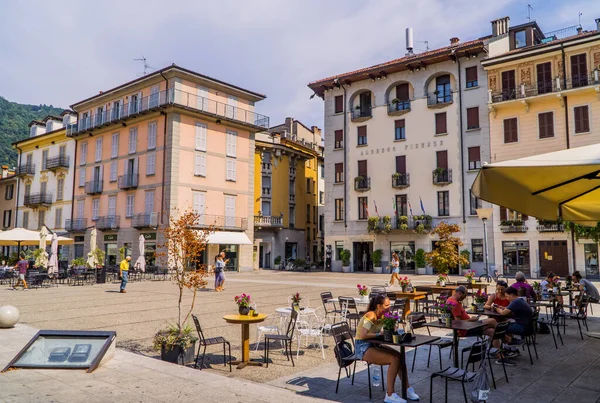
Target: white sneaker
pixel 394 398
pixel 410 393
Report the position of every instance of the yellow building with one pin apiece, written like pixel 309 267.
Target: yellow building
pixel 286 194
pixel 544 96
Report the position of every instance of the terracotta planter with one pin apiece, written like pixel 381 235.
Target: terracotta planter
pixel 178 355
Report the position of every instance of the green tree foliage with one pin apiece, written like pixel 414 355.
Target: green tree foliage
pixel 14 119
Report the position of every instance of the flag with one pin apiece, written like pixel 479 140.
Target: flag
pixel 366 208
pixel 422 207
pixel 376 212
pixel 394 206
pixel 409 207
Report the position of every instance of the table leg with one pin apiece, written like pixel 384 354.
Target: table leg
pixel 403 371
pixel 455 342
pixel 245 361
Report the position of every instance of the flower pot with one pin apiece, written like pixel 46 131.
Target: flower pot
pixel 178 355
pixel 555 290
pixel 479 306
pixel 421 270
pixel 346 269
pixel 377 270
pixel 388 334
pixel 449 321
pixel 442 283
pixel 243 310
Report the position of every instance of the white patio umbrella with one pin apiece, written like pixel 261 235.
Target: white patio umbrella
pixel 92 261
pixel 53 262
pixel 24 237
pixel 562 184
pixel 140 263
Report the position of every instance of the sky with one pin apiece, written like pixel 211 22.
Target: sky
pixel 62 51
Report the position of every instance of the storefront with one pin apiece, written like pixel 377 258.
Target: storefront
pixel 590 251
pixel 111 249
pixel 406 253
pixel 228 242
pixel 516 257
pixel 150 248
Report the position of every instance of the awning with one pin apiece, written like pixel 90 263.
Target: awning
pixel 229 238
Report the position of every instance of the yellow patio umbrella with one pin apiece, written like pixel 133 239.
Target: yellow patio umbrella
pixel 563 184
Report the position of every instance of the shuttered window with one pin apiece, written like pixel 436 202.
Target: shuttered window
pixel 544 77
pixel 582 119
pixel 511 134
pixel 399 130
pixel 339 139
pixel 442 159
pixel 579 71
pixel 339 104
pixel 339 173
pixel 151 135
pixel 200 165
pixel 471 73
pixel 503 214
pixel 473 118
pixel 474 158
pixel 546 125
pixel 362 135
pixel 402 93
pixel 362 168
pixel 401 164
pixel 440 123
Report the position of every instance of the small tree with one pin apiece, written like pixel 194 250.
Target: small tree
pixel 445 255
pixel 467 255
pixel 376 257
pixel 345 256
pixel 420 258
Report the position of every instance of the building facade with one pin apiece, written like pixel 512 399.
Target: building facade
pixel 173 139
pixel 286 194
pixel 8 204
pixel 404 141
pixel 544 93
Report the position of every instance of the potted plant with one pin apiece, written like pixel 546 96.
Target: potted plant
pixel 469 275
pixel 243 302
pixel 300 263
pixel 480 299
pixel 79 263
pixel 445 255
pixel 373 224
pixel 439 171
pixel 395 101
pixel 441 279
pixel 420 228
pixel 357 107
pixel 387 224
pixel 389 325
pixel 345 256
pixel 397 175
pixel 404 283
pixel 98 255
pixel 277 260
pixel 465 267
pixel 363 291
pixel 376 257
pixel 444 305
pixel 182 253
pixel 420 261
pixel 296 298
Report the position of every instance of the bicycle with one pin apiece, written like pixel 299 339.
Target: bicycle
pixel 492 278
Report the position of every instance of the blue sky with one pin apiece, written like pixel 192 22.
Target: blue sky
pixel 70 50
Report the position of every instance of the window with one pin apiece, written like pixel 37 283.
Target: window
pixel 95 208
pixel 265 208
pixel 473 118
pixel 308 213
pixel 114 145
pixel 201 137
pixel 60 189
pixel 476 250
pixel 44 159
pixel 579 75
pixel 508 85
pixel 83 153
pixel 402 205
pixel 440 123
pixel 99 149
pixel 511 133
pixel 149 202
pixel 362 168
pixel 339 209
pixel 322 166
pixel 339 247
pixel 7 218
pixel 471 73
pixel 339 139
pixel 132 140
pixel 230 108
pixel 202 102
pixel 112 206
pixel 308 186
pixel 58 218
pixel 229 211
pixel 151 135
pixel 81 177
pixel 292 213
pixel 9 192
pixel 546 124
pixel 582 119
pixel 41 219
pixel 231 143
pixel 199 204
pixel 321 223
pixel 26 219
pixel 401 164
pixel 339 172
pixel 231 173
pixel 520 39
pixel 80 208
pixel 154 96
pixel 363 202
pixel 129 206
pixel 362 135
pixel 151 164
pixel 474 158
pixel 443 203
pixel 200 165
pixel 544 78
pixel 113 172
pixel 321 197
pixel 116 110
pixel 27 190
pixel 441 158
pixel 443 90
pixel 339 104
pixel 314 214
pixel 475 203
pixel 399 130
pixel 512 215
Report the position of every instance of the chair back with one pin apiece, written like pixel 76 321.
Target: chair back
pixel 199 329
pixel 378 290
pixel 583 305
pixel 417 321
pixel 399 306
pixel 325 297
pixel 341 332
pixel 292 323
pixel 350 303
pixel 477 353
pixel 373 294
pixel 391 296
pixel 500 331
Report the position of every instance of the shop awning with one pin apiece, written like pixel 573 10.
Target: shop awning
pixel 229 238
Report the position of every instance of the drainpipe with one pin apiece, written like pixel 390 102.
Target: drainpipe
pixel 164 170
pixel 345 156
pixel 18 186
pixel 74 176
pixel 462 152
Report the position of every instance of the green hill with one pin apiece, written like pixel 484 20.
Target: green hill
pixel 14 119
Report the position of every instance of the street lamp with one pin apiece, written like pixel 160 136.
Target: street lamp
pixel 484 214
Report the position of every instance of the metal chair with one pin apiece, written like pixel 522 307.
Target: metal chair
pixel 326 297
pixel 499 334
pixel 579 316
pixel 204 342
pixel 285 338
pixel 418 321
pixel 378 290
pixel 352 311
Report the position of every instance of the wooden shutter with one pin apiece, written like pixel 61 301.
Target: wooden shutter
pixel 471 73
pixel 440 123
pixel 442 159
pixel 339 104
pixel 546 124
pixel 362 168
pixel 474 155
pixel 473 118
pixel 544 77
pixel 402 92
pixel 401 164
pixel 579 70
pixel 508 80
pixel 339 138
pixel 511 134
pixel 503 213
pixel 582 119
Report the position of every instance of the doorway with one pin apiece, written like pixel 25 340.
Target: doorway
pixel 590 251
pixel 291 250
pixel 361 255
pixel 515 255
pixel 554 258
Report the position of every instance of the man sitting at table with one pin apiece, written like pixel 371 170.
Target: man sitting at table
pixel 521 312
pixel 459 313
pixel 587 288
pixel 521 284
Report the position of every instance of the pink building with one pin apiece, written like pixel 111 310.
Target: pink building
pixel 171 139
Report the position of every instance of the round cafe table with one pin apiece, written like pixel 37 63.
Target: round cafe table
pixel 245 321
pixel 287 311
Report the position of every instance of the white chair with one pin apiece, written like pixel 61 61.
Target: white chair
pixel 269 326
pixel 311 327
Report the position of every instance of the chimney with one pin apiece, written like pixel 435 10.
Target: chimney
pixel 500 26
pixel 579 30
pixel 289 123
pixel 454 41
pixel 409 41
pixel 598 24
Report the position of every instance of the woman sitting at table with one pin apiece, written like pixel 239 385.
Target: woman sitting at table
pixel 369 327
pixel 499 297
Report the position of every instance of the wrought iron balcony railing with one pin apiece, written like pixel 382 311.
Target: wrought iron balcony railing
pixel 37 199
pixel 400 181
pixel 57 162
pixel 442 176
pixel 129 181
pixel 144 220
pixel 93 187
pixel 76 224
pixel 109 222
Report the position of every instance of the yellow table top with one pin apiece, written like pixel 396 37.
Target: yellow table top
pixel 237 318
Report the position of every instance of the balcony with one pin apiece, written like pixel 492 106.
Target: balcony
pixel 360 115
pixel 57 162
pixel 512 226
pixel 144 220
pixel 223 223
pixel 550 226
pixel 25 170
pixel 129 181
pixel 581 81
pixel 400 181
pixel 439 100
pixel 108 223
pixel 362 183
pixel 93 187
pixel 76 224
pixel 266 168
pixel 162 100
pixel 292 172
pixel 266 193
pixel 37 199
pixel 292 198
pixel 268 221
pixel 442 176
pixel 419 224
pixel 398 108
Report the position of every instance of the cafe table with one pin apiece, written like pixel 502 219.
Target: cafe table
pixel 489 313
pixel 418 340
pixel 455 327
pixel 411 296
pixel 245 321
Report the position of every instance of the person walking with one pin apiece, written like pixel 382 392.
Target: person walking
pixel 395 265
pixel 220 264
pixel 124 273
pixel 22 266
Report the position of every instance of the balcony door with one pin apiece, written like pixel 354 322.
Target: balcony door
pixel 229 211
pixel 97 175
pixel 154 94
pixel 508 85
pixel 43 187
pixel 29 160
pixel 544 77
pixel 362 168
pixel 365 104
pixel 442 87
pixel 401 205
pixel 401 164
pixel 442 159
pixel 579 70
